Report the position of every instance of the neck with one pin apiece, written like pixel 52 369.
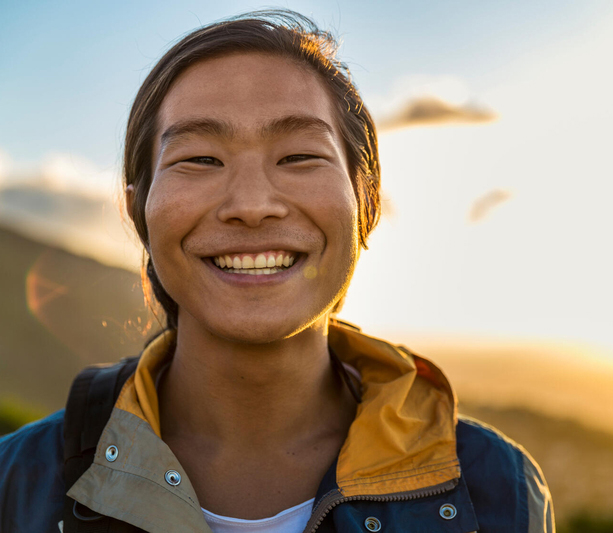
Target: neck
pixel 235 394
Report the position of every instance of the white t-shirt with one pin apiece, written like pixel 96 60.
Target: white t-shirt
pixel 292 520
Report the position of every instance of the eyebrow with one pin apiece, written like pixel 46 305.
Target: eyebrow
pixel 218 128
pixel 295 124
pixel 201 126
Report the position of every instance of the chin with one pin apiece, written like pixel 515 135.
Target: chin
pixel 261 330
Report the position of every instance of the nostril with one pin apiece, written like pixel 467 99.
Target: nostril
pixel 252 207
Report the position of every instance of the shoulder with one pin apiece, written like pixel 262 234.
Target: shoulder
pixel 29 436
pixel 31 476
pixel 505 483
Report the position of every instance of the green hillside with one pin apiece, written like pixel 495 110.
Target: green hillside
pixel 79 312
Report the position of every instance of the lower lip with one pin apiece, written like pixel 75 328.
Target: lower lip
pixel 258 279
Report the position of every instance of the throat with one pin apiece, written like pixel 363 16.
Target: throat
pixel 257 485
pixel 262 395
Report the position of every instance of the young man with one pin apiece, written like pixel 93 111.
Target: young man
pixel 252 178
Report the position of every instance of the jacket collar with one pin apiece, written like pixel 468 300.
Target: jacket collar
pixel 403 437
pixel 402 440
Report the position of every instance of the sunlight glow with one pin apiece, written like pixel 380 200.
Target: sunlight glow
pixel 539 264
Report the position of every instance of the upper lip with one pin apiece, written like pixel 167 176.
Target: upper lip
pixel 253 249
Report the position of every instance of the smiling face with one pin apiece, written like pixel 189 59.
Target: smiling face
pixel 251 214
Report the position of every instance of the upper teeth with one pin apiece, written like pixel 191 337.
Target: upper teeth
pixel 255 261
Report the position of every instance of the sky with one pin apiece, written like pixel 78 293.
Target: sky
pixel 492 228
pixel 70 69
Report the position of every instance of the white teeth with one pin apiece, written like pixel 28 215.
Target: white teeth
pixel 263 263
pixel 251 271
pixel 260 261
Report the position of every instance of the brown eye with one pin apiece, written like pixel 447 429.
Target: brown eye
pixel 205 160
pixel 296 158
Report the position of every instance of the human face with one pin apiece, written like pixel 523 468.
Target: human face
pixel 249 162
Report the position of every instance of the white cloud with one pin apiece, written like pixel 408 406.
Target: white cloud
pixel 60 171
pixel 449 89
pixel 423 100
pixel 74 173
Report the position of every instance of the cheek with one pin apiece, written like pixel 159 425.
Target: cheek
pixel 340 208
pixel 347 212
pixel 166 206
pixel 167 214
pixel 337 216
pixel 331 192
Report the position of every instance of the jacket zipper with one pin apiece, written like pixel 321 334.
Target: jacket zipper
pixel 334 498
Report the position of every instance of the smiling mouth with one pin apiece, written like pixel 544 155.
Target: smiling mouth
pixel 258 264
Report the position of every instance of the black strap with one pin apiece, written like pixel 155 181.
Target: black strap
pixel 91 400
pixel 337 364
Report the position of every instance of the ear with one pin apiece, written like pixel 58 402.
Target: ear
pixel 130 191
pixel 130 201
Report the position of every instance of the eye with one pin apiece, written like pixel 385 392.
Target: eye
pixel 297 158
pixel 204 160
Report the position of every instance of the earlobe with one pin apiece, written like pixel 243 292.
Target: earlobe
pixel 130 201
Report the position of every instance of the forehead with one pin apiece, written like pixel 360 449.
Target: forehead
pixel 246 90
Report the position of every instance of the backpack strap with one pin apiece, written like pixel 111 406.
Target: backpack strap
pixel 91 400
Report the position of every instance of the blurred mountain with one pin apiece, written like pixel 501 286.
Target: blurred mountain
pixel 559 379
pixel 60 312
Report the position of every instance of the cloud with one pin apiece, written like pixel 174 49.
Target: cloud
pixel 427 111
pixel 61 172
pixel 421 100
pixel 483 205
pixel 71 172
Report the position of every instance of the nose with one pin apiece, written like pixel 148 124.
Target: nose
pixel 251 197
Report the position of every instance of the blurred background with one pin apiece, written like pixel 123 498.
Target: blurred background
pixel 493 256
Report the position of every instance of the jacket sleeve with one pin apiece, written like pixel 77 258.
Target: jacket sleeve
pixel 31 477
pixel 540 506
pixel 507 487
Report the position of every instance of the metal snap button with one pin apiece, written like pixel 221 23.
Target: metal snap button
pixel 111 453
pixel 172 477
pixel 448 511
pixel 372 524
